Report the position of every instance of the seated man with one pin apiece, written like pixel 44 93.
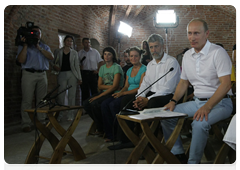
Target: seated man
pixel 208 68
pixel 161 92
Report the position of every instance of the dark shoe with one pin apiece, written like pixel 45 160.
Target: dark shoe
pixel 121 146
pixel 27 129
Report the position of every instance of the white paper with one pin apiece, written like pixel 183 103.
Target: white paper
pixel 156 112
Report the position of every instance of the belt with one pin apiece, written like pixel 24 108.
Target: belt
pixel 204 99
pixel 33 70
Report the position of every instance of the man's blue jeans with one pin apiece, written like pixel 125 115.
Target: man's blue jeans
pixel 200 129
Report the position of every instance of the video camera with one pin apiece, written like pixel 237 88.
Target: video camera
pixel 28 33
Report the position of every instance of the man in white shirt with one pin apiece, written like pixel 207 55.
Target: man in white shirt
pixel 208 68
pixel 161 92
pixel 90 62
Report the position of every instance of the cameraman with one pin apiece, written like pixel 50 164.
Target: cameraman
pixel 34 59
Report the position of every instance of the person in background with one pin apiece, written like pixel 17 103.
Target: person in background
pixel 180 57
pixel 34 61
pixel 233 77
pixel 207 67
pixel 90 62
pixel 111 106
pixel 110 81
pixel 67 64
pixel 147 57
pixel 127 62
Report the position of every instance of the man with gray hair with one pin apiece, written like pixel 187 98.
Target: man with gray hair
pixel 161 92
pixel 207 67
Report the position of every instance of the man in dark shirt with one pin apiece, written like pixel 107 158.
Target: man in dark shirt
pixel 128 63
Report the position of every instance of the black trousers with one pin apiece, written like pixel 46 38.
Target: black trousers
pixel 94 110
pixel 154 102
pixel 89 84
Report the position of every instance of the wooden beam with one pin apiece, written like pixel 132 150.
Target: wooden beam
pixel 112 23
pixel 114 9
pixel 137 12
pixel 129 8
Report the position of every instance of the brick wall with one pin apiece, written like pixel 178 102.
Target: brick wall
pixel 222 26
pixel 93 22
pixel 79 20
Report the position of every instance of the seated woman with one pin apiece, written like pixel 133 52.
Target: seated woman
pixel 111 106
pixel 109 81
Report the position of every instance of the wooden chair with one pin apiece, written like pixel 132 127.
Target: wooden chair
pixel 92 128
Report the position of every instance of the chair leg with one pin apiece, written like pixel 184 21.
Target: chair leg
pixel 92 128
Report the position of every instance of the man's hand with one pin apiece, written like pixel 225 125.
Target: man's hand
pixel 170 106
pixel 23 39
pixel 201 113
pixel 38 47
pixel 140 103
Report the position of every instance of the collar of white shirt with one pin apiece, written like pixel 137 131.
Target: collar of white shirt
pixel 87 51
pixel 204 50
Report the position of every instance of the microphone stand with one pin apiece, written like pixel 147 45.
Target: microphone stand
pixel 49 102
pixel 125 111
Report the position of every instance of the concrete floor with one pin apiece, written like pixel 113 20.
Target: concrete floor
pixel 17 145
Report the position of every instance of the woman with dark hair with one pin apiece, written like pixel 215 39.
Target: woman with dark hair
pixel 111 106
pixel 147 57
pixel 67 64
pixel 110 80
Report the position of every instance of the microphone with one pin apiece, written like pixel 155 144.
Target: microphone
pixel 83 59
pixel 44 100
pixel 125 111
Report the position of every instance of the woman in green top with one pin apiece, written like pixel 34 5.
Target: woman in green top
pixel 110 81
pixel 111 106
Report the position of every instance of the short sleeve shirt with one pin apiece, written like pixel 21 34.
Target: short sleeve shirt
pixel 107 74
pixel 35 59
pixel 203 69
pixel 92 58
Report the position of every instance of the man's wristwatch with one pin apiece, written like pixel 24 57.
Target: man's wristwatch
pixel 173 101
